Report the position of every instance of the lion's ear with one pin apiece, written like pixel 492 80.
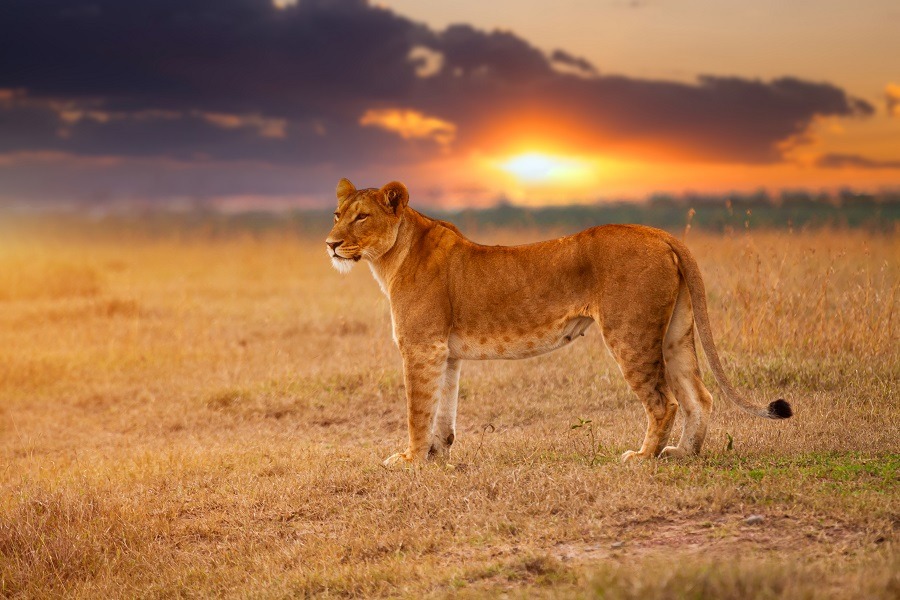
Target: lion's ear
pixel 396 195
pixel 344 189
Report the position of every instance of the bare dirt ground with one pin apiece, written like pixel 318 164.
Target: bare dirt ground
pixel 206 416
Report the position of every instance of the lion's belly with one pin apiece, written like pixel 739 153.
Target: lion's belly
pixel 490 341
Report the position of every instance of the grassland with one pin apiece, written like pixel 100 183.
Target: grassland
pixel 206 415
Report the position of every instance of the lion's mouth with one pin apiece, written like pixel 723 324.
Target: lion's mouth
pixel 343 263
pixel 344 251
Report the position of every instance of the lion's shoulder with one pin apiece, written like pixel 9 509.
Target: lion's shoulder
pixel 450 226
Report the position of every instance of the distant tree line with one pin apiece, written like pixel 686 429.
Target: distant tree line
pixel 720 213
pixel 798 210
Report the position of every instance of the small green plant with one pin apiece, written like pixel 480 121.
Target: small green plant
pixel 729 445
pixel 589 447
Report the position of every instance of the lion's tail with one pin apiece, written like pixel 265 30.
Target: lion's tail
pixel 778 409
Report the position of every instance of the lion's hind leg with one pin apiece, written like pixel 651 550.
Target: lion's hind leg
pixel 641 363
pixel 444 432
pixel 660 406
pixel 683 375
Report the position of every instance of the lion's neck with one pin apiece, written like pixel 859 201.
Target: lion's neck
pixel 387 266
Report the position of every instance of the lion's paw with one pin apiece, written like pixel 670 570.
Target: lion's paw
pixel 401 459
pixel 672 452
pixel 440 448
pixel 633 456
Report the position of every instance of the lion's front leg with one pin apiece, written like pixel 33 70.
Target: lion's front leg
pixel 424 369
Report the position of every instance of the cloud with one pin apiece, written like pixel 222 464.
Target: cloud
pixel 90 128
pixel 428 62
pixel 578 64
pixel 845 161
pixel 892 99
pixel 346 82
pixel 410 125
pixel 267 128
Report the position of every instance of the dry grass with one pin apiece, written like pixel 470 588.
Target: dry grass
pixel 207 417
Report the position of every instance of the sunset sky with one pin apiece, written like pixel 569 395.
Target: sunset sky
pixel 245 103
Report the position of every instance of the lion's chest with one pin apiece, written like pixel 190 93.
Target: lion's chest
pixel 492 339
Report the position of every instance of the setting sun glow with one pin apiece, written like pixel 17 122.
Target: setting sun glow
pixel 540 168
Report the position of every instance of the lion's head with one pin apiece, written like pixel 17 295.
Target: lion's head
pixel 365 223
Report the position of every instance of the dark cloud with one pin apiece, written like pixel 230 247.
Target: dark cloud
pixel 580 64
pixel 843 161
pixel 498 55
pixel 243 80
pixel 191 134
pixel 225 55
pixel 718 119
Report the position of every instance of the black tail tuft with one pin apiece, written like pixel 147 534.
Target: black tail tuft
pixel 779 409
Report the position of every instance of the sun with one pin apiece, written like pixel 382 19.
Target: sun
pixel 540 168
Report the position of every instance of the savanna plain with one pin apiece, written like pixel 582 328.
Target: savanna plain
pixel 205 414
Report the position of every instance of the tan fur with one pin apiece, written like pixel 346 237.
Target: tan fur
pixel 452 299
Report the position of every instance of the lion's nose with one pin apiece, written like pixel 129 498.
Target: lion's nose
pixel 334 245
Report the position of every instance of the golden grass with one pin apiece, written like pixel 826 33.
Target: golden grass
pixel 207 417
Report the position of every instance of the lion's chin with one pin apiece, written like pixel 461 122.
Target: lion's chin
pixel 343 265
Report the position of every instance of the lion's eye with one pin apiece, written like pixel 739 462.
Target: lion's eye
pixel 361 217
pixel 336 217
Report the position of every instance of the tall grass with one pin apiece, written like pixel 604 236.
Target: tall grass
pixel 205 416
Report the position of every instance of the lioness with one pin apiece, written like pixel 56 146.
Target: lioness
pixel 452 299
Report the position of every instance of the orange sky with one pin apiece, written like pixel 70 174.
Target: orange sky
pixel 853 45
pixel 527 165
